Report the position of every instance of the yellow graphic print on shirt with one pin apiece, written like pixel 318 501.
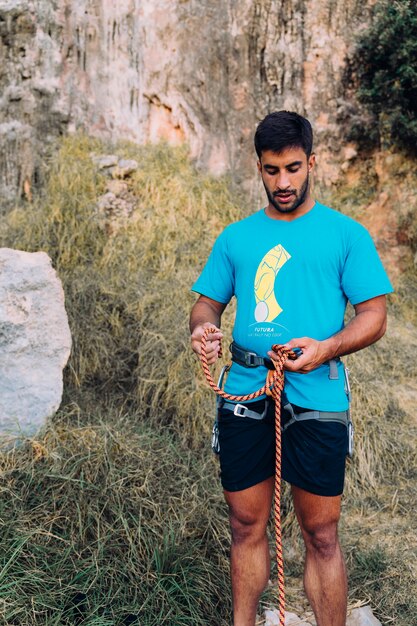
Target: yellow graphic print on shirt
pixel 267 307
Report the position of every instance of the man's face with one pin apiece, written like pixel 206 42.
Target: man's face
pixel 285 177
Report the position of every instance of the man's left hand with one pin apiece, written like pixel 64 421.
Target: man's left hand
pixel 314 353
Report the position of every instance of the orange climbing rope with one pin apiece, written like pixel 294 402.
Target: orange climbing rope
pixel 274 385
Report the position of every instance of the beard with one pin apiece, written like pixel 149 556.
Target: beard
pixel 299 197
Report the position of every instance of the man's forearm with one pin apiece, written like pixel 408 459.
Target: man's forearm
pixel 364 329
pixel 203 312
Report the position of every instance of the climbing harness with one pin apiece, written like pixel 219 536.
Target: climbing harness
pixel 250 359
pixel 273 387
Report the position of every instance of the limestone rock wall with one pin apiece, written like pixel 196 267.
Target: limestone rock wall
pixel 182 70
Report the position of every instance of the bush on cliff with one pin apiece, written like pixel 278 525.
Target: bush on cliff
pixel 383 71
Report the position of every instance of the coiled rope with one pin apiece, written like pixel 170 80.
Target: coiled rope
pixel 273 387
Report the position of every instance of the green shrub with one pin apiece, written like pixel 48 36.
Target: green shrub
pixel 383 70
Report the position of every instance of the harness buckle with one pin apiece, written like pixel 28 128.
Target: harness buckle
pixel 240 410
pixel 251 359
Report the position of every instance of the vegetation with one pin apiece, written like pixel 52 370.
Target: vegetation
pixel 113 514
pixel 128 296
pixel 383 71
pixel 92 534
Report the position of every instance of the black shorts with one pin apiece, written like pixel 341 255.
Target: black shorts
pixel 313 452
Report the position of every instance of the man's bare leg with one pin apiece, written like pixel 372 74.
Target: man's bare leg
pixel 249 512
pixel 325 579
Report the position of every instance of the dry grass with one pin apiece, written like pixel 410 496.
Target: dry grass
pixel 128 296
pixel 113 515
pixel 92 535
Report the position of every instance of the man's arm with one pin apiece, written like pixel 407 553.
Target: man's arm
pixel 206 313
pixel 368 325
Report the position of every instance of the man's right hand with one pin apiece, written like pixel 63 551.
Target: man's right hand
pixel 213 341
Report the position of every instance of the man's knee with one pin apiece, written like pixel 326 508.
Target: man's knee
pixel 246 527
pixel 322 540
pixel 318 517
pixel 249 512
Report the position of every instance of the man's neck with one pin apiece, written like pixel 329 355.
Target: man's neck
pixel 304 208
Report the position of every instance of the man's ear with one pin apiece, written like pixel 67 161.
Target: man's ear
pixel 311 161
pixel 259 166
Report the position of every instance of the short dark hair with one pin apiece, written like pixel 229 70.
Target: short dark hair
pixel 281 130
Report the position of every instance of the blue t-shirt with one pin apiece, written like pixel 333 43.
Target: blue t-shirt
pixel 292 279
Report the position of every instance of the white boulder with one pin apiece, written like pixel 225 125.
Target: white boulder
pixel 291 619
pixel 362 617
pixel 35 341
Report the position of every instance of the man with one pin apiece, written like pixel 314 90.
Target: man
pixel 292 267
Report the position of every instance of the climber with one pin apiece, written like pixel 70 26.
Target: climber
pixel 292 267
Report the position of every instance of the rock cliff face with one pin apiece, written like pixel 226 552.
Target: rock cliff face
pixel 180 70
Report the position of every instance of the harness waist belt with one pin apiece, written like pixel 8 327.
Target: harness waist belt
pixel 248 358
pixel 251 359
